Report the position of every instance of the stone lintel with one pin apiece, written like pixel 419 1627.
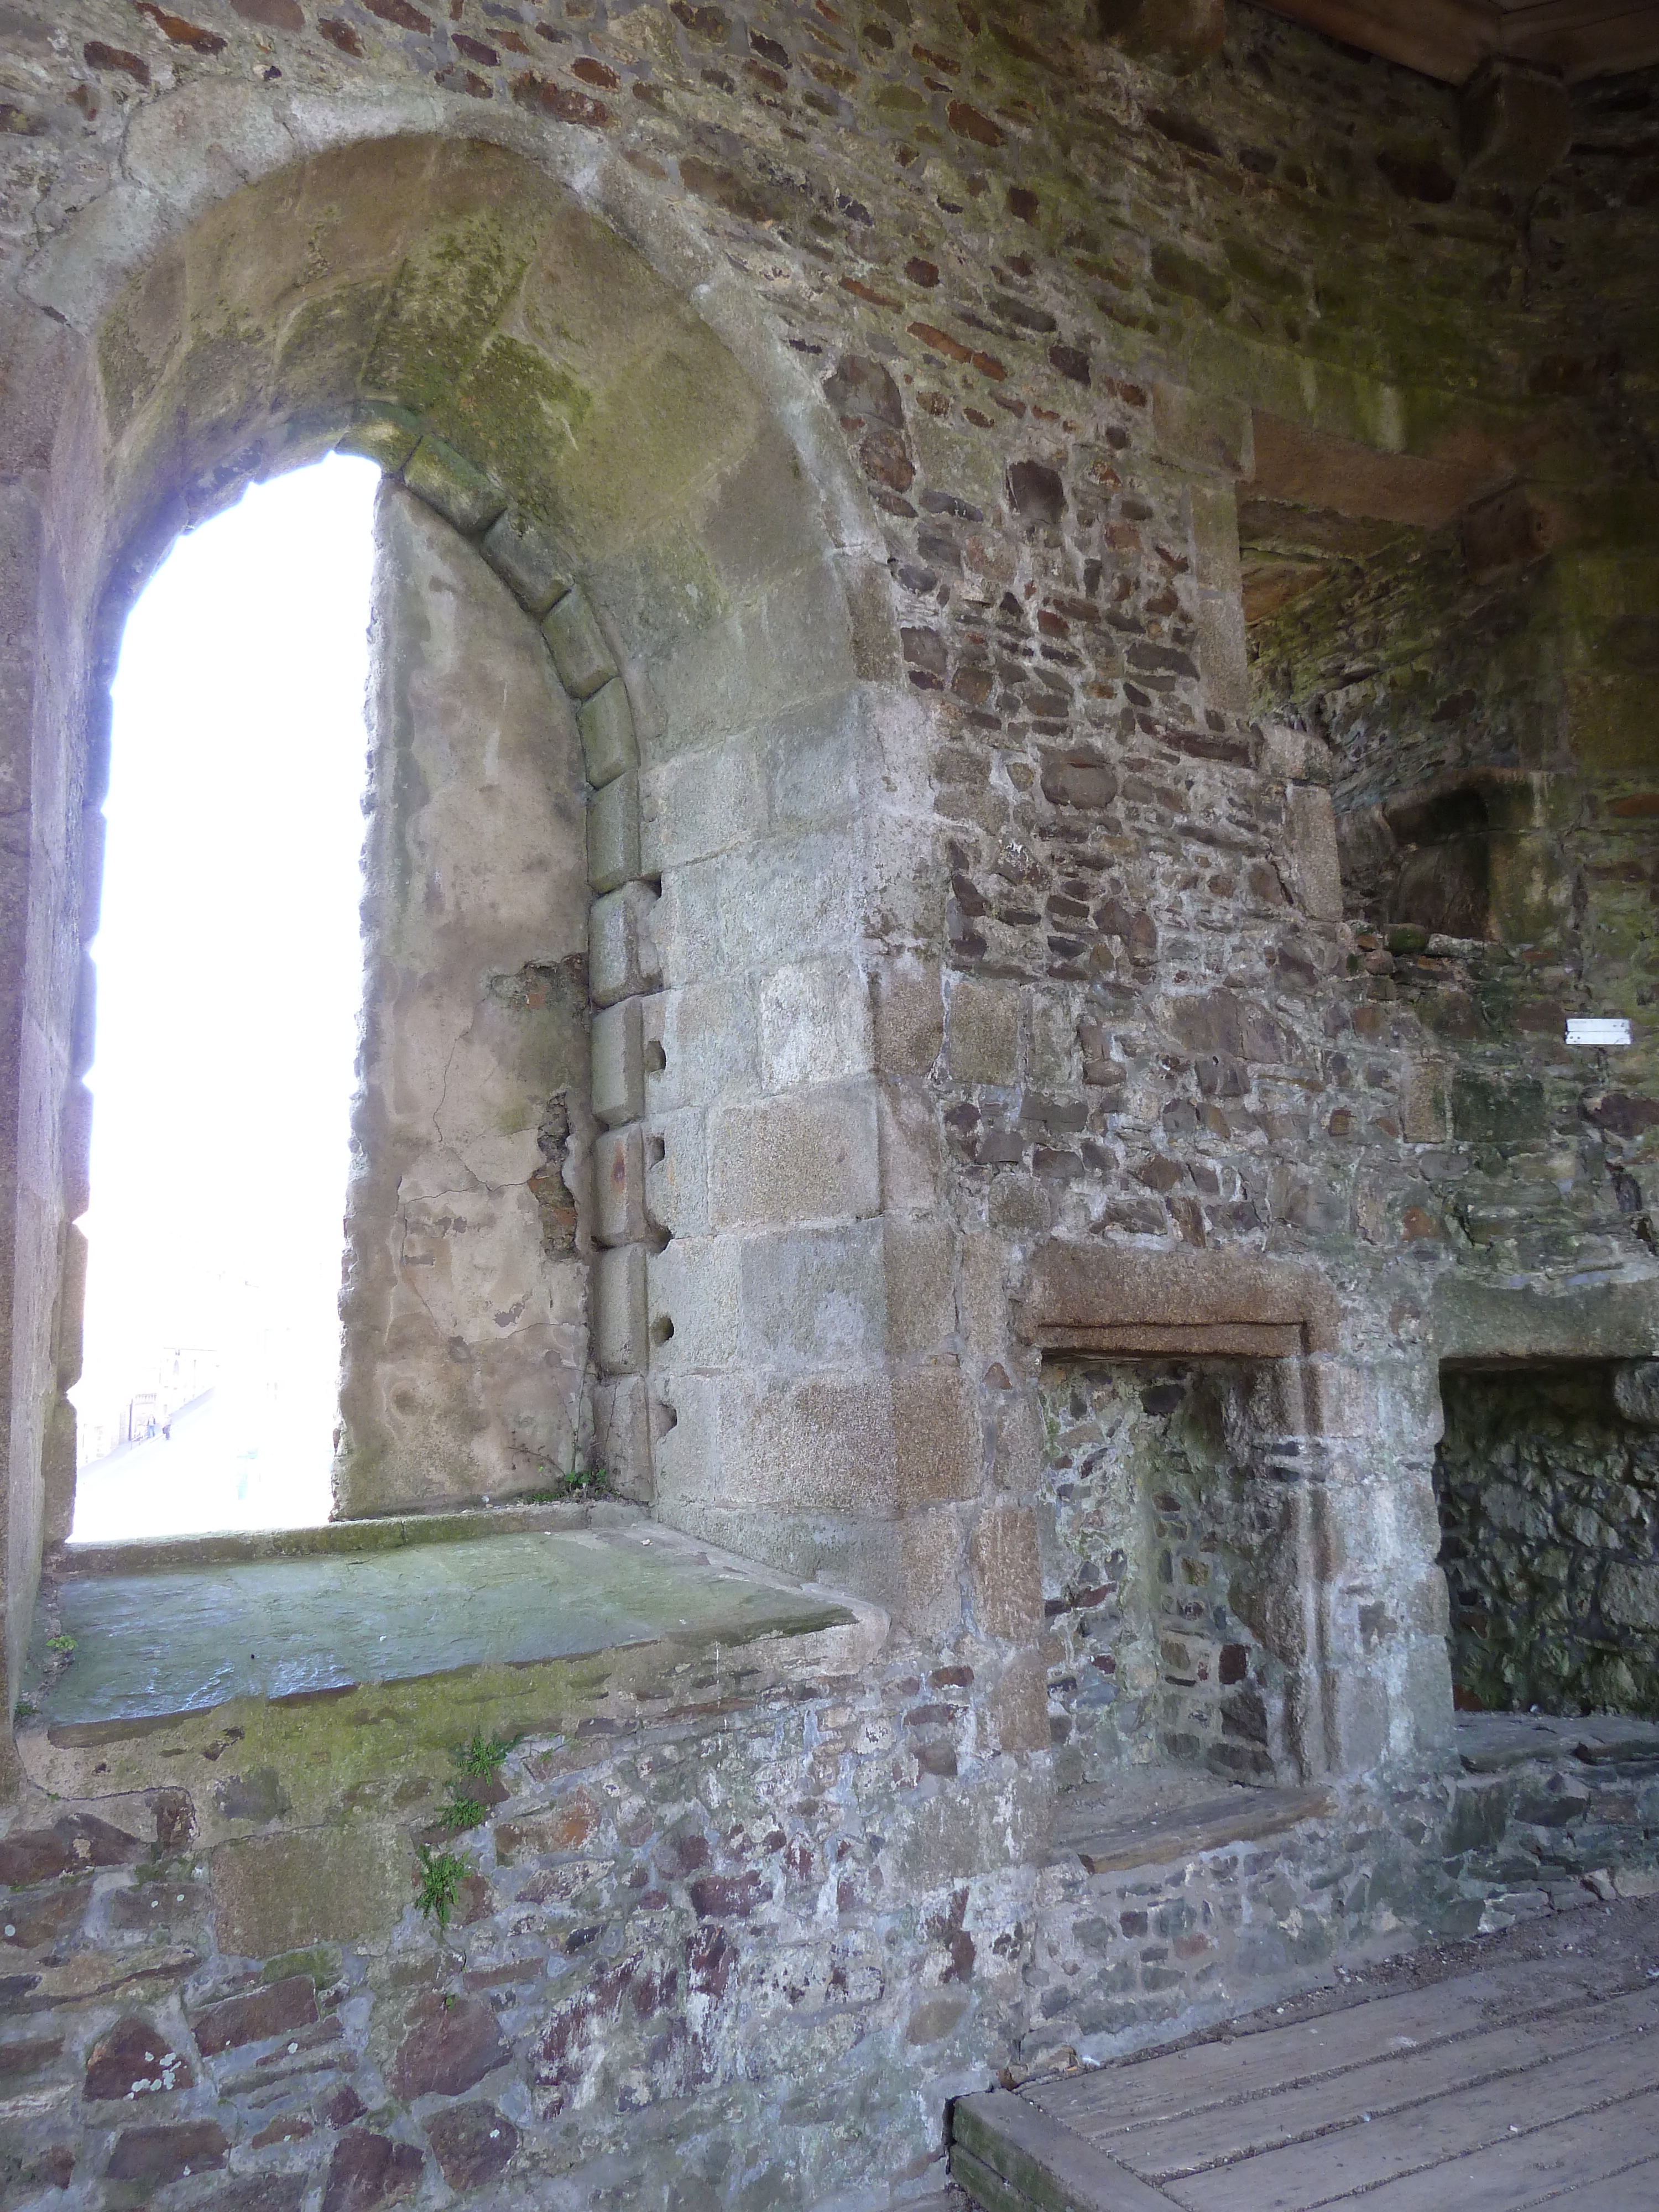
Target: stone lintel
pixel 1479 1323
pixel 1090 1297
pixel 1212 1339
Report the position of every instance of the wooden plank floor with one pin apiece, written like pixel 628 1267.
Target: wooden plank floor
pixel 1523 2071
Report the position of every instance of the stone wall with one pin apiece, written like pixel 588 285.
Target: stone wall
pixel 1548 1498
pixel 731 1929
pixel 920 402
pixel 1087 970
pixel 1151 1572
pixel 466 1320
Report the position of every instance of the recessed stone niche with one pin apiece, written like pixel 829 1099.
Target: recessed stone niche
pixel 1547 1483
pixel 1151 1579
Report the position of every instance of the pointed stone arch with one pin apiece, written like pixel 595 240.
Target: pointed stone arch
pixel 684 533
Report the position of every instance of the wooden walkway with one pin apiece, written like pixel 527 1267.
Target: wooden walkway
pixel 1521 2072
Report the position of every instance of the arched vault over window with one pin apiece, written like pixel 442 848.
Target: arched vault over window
pixel 664 1017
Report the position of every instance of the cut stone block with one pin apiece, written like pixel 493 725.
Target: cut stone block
pixel 1008 1578
pixel 621 954
pixel 676 1175
pixel 613 834
pixel 1311 848
pixel 618 1064
pixel 608 738
pixel 619 1187
pixel 622 1436
pixel 1514 124
pixel 909 1019
pixel 812 1297
pixel 447 480
pixel 919 1286
pixel 702 803
pixel 276 1894
pixel 580 653
pixel 387 437
pixel 523 556
pixel 935 1436
pixel 704 1040
pixel 620 1340
pixel 814 1023
pixel 694 1301
pixel 801 1156
pixel 984 1031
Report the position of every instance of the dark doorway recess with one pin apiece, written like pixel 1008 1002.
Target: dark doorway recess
pixel 1547 1483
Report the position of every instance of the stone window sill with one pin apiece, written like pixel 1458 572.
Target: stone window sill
pixel 354 1649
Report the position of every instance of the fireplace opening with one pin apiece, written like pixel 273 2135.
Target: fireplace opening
pixel 1547 1484
pixel 1163 1545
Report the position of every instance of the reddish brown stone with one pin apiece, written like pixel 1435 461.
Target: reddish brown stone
pixel 400 13
pixel 275 2010
pixel 42 1919
pixel 31 1855
pixel 162 2154
pixel 725 1896
pixel 175 1819
pixel 884 455
pixel 941 342
pixel 1623 1115
pixel 18 2058
pixel 341 35
pixel 861 390
pixel 968 123
pixel 706 22
pixel 288 2127
pixel 557 100
pixel 52 2169
pixel 454 2043
pixel 474 2143
pixel 98 56
pixel 684 1851
pixel 132 2052
pixel 366 2170
pixel 182 32
pixel 344 2107
pixel 709 1961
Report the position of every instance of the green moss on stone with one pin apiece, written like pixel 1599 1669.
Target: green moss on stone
pixel 518 413
pixel 446 298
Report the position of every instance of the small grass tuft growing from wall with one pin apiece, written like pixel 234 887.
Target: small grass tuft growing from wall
pixel 440 1877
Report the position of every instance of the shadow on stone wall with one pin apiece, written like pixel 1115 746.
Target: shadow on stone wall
pixel 1548 1486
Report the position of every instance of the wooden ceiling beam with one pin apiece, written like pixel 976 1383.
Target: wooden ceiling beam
pixel 1449 39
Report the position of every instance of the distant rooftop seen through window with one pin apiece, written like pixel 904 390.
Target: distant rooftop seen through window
pixel 229 980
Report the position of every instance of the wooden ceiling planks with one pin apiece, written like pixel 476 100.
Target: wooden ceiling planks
pixel 1451 39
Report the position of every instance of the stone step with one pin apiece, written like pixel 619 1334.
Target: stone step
pixel 1162 1814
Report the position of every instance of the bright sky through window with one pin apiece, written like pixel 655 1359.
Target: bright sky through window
pixel 229 980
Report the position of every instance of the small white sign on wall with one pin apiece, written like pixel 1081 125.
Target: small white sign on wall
pixel 1597 1028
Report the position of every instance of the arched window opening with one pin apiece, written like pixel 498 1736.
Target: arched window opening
pixel 229 984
